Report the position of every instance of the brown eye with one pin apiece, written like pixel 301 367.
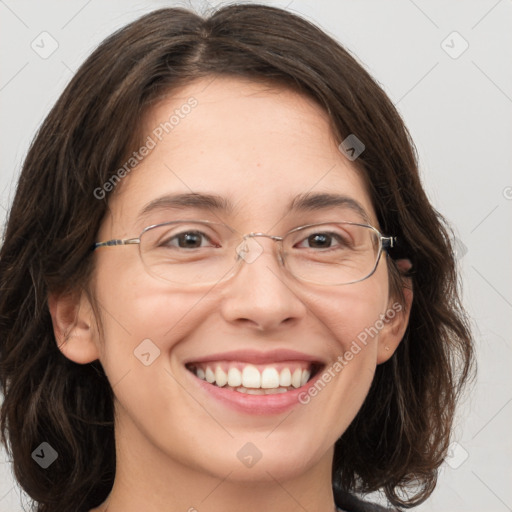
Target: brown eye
pixel 324 240
pixel 320 240
pixel 188 239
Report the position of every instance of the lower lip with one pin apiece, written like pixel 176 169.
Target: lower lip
pixel 256 404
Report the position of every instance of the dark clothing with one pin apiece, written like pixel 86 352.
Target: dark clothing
pixel 349 503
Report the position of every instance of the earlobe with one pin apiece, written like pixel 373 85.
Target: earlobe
pixel 396 318
pixel 73 326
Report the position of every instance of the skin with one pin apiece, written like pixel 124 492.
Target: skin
pixel 176 448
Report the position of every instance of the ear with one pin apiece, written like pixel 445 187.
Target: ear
pixel 74 326
pixel 397 316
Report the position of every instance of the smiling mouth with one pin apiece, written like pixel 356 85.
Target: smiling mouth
pixel 253 379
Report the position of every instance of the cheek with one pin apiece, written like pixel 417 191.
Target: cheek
pixel 352 314
pixel 142 319
pixel 346 317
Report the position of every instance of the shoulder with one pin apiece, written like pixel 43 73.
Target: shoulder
pixel 347 502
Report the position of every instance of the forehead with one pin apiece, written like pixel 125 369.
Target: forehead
pixel 258 146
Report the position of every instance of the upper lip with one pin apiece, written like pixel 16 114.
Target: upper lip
pixel 257 357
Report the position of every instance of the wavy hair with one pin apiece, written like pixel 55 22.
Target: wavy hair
pixel 401 434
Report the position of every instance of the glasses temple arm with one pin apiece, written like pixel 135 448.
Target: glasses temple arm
pixel 110 243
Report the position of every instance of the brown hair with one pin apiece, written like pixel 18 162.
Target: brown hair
pixel 401 434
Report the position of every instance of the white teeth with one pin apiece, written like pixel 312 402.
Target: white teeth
pixel 305 377
pixel 285 378
pixel 234 377
pixel 274 391
pixel 220 377
pixel 251 381
pixel 251 377
pixel 296 378
pixel 209 375
pixel 255 392
pixel 270 378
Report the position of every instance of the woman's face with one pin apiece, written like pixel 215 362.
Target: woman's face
pixel 258 149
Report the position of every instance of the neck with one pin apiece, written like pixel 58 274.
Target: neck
pixel 149 479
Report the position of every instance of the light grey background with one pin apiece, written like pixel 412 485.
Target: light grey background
pixel 458 109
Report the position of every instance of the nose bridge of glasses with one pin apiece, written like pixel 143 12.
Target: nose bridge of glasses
pixel 264 235
pixel 249 249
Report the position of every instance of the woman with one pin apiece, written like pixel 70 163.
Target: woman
pixel 223 286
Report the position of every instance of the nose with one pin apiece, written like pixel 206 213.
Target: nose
pixel 261 294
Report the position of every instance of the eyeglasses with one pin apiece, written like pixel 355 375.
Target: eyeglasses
pixel 200 252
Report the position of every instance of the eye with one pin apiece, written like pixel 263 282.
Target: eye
pixel 188 239
pixel 325 240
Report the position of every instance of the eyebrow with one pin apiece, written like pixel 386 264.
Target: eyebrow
pixel 323 201
pixel 307 202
